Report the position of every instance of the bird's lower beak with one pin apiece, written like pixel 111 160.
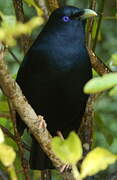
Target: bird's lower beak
pixel 88 13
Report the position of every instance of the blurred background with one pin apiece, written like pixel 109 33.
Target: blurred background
pixel 105 109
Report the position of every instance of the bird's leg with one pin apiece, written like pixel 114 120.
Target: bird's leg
pixel 60 135
pixel 42 123
pixel 64 168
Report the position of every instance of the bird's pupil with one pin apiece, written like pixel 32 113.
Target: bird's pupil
pixel 65 18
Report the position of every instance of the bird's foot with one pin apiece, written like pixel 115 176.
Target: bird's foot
pixel 60 135
pixel 65 168
pixel 42 123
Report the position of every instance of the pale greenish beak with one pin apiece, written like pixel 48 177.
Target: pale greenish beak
pixel 88 13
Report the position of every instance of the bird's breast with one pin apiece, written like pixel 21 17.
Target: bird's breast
pixel 61 57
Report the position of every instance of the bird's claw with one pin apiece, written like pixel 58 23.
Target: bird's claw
pixel 64 168
pixel 42 123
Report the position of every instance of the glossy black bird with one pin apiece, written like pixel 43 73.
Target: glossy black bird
pixel 53 74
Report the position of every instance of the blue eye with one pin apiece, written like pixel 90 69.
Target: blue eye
pixel 65 18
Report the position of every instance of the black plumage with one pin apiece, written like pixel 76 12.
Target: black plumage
pixel 53 74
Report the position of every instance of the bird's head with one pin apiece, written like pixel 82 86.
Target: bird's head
pixel 67 25
pixel 71 15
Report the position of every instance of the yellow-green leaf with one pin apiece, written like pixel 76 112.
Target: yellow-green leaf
pixel 99 84
pixel 8 21
pixel 4 107
pixel 7 155
pixel 32 3
pixel 113 91
pixel 68 150
pixel 10 28
pixel 1 136
pixel 96 160
pixel 114 59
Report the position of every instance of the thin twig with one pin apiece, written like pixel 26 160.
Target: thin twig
pixel 97 63
pixel 5 115
pixel 60 135
pixel 44 6
pixel 90 22
pixel 24 40
pixel 9 134
pixel 86 129
pixel 14 56
pixel 25 166
pixel 101 11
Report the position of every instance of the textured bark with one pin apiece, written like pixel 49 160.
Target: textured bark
pixel 97 64
pixel 53 4
pixel 24 39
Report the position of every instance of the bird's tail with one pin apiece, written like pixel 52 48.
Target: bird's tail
pixel 38 159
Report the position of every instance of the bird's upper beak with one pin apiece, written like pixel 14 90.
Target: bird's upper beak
pixel 88 13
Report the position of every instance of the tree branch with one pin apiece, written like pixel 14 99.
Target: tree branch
pixel 53 4
pixel 90 22
pixel 24 39
pixel 44 6
pixel 5 115
pixel 99 23
pixel 9 134
pixel 97 64
pixel 24 163
pixel 86 129
pixel 14 56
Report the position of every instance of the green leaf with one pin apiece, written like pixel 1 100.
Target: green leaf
pixel 32 3
pixel 1 136
pixel 96 160
pixel 7 155
pixel 114 59
pixel 11 29
pixel 100 84
pixel 113 91
pixel 102 127
pixel 4 107
pixel 68 150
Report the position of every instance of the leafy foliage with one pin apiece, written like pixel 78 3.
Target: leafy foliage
pixel 70 151
pixel 11 29
pixel 32 3
pixel 1 136
pixel 7 154
pixel 100 84
pixel 96 160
